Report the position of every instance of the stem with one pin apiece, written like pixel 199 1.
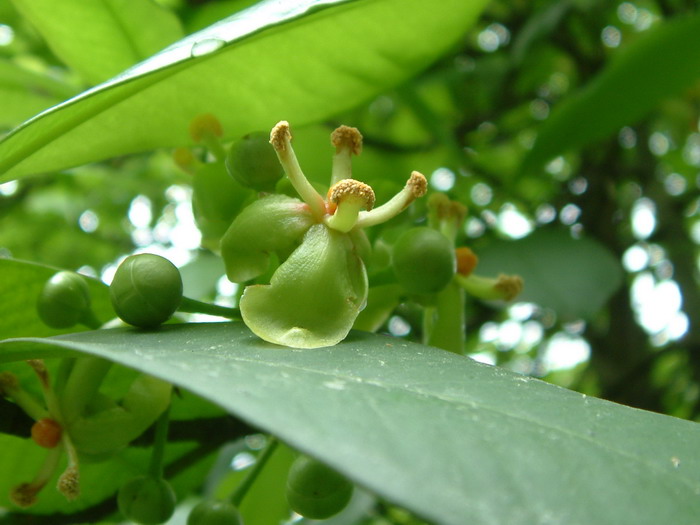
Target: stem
pixel 214 146
pixel 90 320
pixel 449 328
pixel 252 475
pixel 199 307
pixel 84 381
pixel 155 467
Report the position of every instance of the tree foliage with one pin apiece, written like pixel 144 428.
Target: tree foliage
pixel 561 144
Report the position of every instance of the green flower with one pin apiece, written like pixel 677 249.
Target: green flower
pixel 317 292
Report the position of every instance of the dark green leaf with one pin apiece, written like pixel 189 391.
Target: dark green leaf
pixel 299 61
pixel 575 277
pixel 657 66
pixel 483 445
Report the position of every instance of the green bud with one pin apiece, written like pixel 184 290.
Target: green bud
pixel 213 512
pixel 64 300
pixel 424 260
pixel 146 500
pixel 316 491
pixel 146 290
pixel 252 162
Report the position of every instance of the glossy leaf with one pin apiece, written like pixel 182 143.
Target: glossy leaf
pixel 24 93
pixel 658 65
pixel 301 61
pixel 101 38
pixel 495 446
pixel 574 277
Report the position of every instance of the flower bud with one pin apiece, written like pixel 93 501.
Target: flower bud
pixel 316 491
pixel 146 290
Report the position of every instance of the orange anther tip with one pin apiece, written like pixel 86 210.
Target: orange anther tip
pixel 46 433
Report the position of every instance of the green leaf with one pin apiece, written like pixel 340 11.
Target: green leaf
pixel 24 93
pixel 453 440
pixel 574 277
pixel 658 65
pixel 20 285
pixel 301 61
pixel 100 38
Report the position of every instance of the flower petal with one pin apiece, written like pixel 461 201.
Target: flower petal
pixel 271 224
pixel 314 296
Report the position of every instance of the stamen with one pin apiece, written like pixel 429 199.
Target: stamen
pixel 25 494
pixel 347 141
pixel 416 186
pixel 10 388
pixel 281 140
pixel 69 483
pixel 504 287
pixel 349 196
pixel 207 129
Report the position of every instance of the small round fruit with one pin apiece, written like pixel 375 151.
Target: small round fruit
pixel 424 260
pixel 146 500
pixel 146 290
pixel 214 512
pixel 253 162
pixel 64 300
pixel 316 491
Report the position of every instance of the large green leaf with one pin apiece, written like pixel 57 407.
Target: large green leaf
pixel 302 61
pixel 451 439
pixel 24 93
pixel 100 38
pixel 658 65
pixel 574 277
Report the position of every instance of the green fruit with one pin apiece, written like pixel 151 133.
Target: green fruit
pixel 146 290
pixel 64 300
pixel 253 162
pixel 146 500
pixel 212 512
pixel 424 260
pixel 316 491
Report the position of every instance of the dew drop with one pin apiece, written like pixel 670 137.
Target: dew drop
pixel 206 46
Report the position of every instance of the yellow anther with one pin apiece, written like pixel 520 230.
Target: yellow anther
pixel 205 125
pixel 351 190
pixel 349 196
pixel 345 137
pixel 280 136
pixel 69 483
pixel 509 285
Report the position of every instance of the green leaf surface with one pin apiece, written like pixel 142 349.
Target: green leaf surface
pixel 101 38
pixel 302 61
pixel 658 65
pixel 20 285
pixel 24 93
pixel 574 277
pixel 485 446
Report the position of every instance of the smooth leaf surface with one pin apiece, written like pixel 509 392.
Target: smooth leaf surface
pixel 485 446
pixel 101 38
pixel 657 66
pixel 20 285
pixel 24 93
pixel 574 277
pixel 303 61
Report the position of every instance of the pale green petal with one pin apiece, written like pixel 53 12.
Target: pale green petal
pixel 314 296
pixel 271 224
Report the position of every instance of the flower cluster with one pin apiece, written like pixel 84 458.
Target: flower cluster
pixel 317 292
